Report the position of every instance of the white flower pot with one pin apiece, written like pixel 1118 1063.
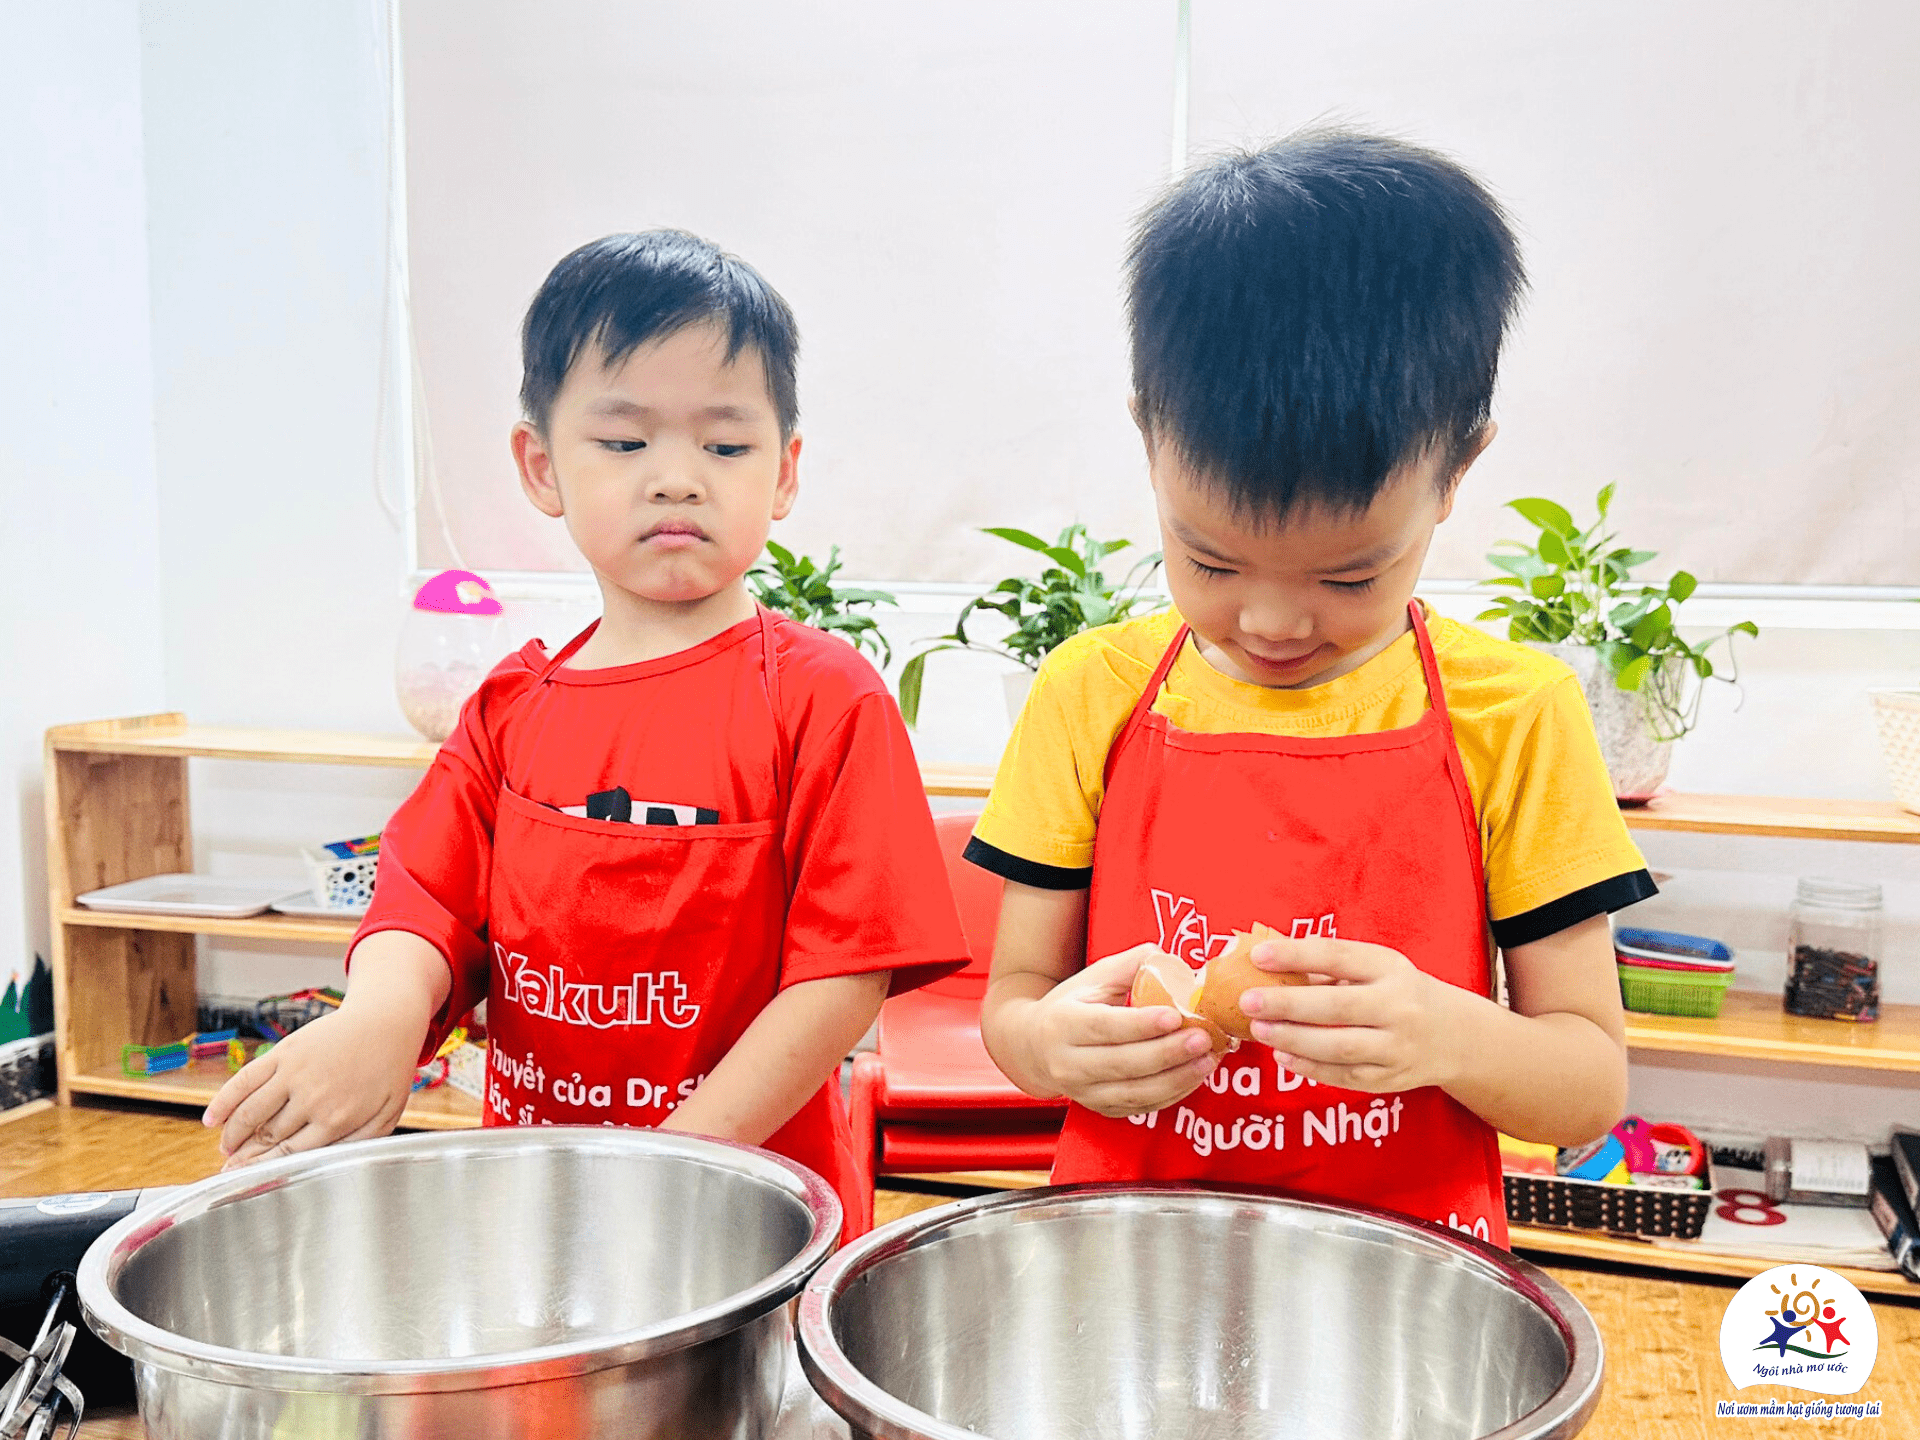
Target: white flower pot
pixel 1017 685
pixel 1636 760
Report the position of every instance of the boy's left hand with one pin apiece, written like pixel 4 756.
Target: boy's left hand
pixel 1372 1021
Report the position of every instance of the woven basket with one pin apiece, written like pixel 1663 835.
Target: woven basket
pixel 1673 992
pixel 1898 713
pixel 1620 1209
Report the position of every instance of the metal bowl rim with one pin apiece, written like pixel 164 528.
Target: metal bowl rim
pixel 860 1401
pixel 149 1344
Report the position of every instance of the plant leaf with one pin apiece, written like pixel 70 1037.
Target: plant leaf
pixel 1552 518
pixel 1066 559
pixel 1605 499
pixel 1545 587
pixel 1681 586
pixel 1553 549
pixel 1633 674
pixel 1653 629
pixel 1526 566
pixel 912 676
pixel 1017 537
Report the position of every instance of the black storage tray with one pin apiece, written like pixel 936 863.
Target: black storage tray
pixel 1620 1209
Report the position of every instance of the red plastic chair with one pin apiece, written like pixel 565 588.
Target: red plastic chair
pixel 930 1099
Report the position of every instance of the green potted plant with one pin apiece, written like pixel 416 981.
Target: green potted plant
pixel 1571 592
pixel 801 587
pixel 1072 594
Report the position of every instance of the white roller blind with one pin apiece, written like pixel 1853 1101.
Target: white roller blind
pixel 941 191
pixel 1718 202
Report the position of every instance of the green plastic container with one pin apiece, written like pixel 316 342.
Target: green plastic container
pixel 1653 991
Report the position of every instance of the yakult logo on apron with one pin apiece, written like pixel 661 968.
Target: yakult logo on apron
pixel 1185 932
pixel 649 997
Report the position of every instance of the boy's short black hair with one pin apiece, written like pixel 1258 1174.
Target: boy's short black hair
pixel 617 293
pixel 1308 317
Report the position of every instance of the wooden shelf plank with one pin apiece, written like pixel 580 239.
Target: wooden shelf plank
pixel 1753 1026
pixel 227 742
pixel 1793 817
pixel 308 930
pixel 443 1108
pixel 171 735
pixel 1619 1250
pixel 945 778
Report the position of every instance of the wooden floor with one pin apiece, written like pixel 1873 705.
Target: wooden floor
pixel 1663 1361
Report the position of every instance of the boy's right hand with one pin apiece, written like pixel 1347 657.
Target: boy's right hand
pixel 345 1076
pixel 1091 1046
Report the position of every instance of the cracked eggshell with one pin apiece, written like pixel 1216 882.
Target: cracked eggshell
pixel 1232 973
pixel 1164 979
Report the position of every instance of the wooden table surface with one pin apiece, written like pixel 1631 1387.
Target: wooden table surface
pixel 1662 1334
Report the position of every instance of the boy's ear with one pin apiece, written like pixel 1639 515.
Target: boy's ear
pixel 1140 422
pixel 1471 452
pixel 787 488
pixel 535 463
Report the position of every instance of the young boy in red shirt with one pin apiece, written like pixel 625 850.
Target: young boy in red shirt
pixel 1316 330
pixel 684 859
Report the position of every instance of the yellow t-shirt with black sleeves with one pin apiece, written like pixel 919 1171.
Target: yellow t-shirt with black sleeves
pixel 1555 847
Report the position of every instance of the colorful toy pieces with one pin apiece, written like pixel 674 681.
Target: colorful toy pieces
pixel 158 1059
pixel 1638 1152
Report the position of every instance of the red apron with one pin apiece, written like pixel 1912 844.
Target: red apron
pixel 1373 837
pixel 628 959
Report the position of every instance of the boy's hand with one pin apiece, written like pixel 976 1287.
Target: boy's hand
pixel 1382 1024
pixel 345 1076
pixel 1090 1046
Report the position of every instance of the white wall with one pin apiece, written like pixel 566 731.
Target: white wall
pixel 266 169
pixel 273 595
pixel 80 595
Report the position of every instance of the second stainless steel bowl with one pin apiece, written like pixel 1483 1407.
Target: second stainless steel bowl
pixel 1147 1313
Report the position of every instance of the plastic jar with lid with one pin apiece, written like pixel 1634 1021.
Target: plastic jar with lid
pixel 452 637
pixel 1833 950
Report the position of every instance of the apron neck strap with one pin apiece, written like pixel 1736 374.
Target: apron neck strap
pixel 1429 662
pixel 770 676
pixel 1147 697
pixel 567 652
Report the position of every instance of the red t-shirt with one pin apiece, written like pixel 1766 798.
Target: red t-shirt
pixel 693 737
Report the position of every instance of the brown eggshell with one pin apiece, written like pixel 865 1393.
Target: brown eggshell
pixel 1232 973
pixel 1165 979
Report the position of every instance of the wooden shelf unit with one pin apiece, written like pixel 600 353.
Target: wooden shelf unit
pixel 117 810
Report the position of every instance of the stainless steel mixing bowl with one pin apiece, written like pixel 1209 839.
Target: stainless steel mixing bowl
pixel 512 1282
pixel 1175 1313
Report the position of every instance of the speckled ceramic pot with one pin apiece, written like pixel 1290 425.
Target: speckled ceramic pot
pixel 1635 759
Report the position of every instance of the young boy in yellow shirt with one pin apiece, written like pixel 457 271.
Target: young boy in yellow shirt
pixel 1316 329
